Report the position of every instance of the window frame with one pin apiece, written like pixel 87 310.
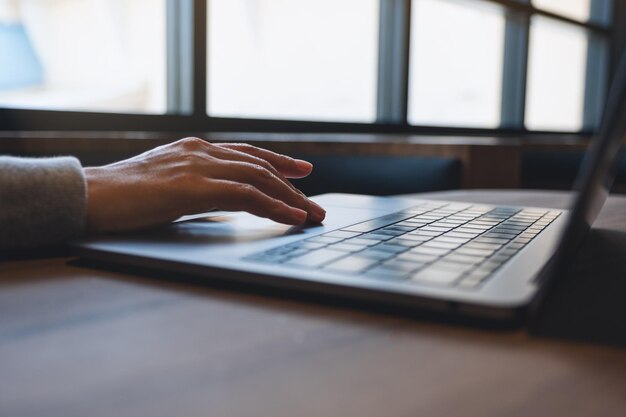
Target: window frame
pixel 187 82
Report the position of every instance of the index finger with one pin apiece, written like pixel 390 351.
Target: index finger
pixel 289 167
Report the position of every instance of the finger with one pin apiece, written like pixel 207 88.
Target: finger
pixel 268 183
pixel 235 155
pixel 317 212
pixel 290 167
pixel 233 196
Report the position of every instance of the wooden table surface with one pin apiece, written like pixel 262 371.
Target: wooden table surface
pixel 76 341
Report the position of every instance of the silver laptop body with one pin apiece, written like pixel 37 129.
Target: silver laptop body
pixel 469 259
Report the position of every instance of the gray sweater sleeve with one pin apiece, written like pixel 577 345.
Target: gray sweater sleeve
pixel 42 201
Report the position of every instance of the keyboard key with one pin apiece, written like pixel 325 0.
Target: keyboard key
pixel 515 245
pixel 465 235
pixel 352 264
pixel 317 258
pixel 506 230
pixel 395 269
pixel 308 245
pixel 347 247
pixel 430 251
pixel 509 251
pixel 298 252
pixel 448 223
pixel 404 264
pixel 420 232
pixel 499 235
pixel 386 247
pixel 341 234
pixel 282 250
pixel 500 257
pixel 414 223
pixel 440 245
pixel 390 232
pixel 475 252
pixel 377 254
pixel 512 224
pixel 436 276
pixel 376 236
pixel 266 258
pixel 474 279
pixel 489 265
pixel 435 229
pixel 400 228
pixel 377 223
pixel 464 259
pixel 452 266
pixel 484 222
pixel 410 223
pixel 417 257
pixel 404 242
pixel 498 241
pixel 361 242
pixel 326 240
pixel 481 245
pixel 478 227
pixel 446 238
pixel 417 238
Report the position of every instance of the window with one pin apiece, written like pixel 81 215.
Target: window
pixel 285 59
pixel 83 55
pixel 596 11
pixel 540 66
pixel 456 61
pixel 478 66
pixel 556 76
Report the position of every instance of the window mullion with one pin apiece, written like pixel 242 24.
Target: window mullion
pixel 596 70
pixel 180 88
pixel 393 61
pixel 199 71
pixel 515 66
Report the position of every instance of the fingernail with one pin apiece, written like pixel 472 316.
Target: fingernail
pixel 318 212
pixel 298 215
pixel 303 165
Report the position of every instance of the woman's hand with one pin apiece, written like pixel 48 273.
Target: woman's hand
pixel 193 176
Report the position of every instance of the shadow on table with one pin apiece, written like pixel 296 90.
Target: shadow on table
pixel 588 303
pixel 33 254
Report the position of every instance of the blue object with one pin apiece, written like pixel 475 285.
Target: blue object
pixel 379 174
pixel 19 64
pixel 558 170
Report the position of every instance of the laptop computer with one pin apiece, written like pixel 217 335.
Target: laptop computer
pixel 492 262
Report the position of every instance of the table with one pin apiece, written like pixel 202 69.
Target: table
pixel 77 341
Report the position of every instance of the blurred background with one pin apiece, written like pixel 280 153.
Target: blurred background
pixel 466 63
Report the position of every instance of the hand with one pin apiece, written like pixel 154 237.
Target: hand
pixel 193 176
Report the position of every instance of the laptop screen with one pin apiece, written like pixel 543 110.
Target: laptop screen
pixel 597 173
pixel 595 178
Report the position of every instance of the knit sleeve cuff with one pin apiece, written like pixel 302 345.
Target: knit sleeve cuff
pixel 42 201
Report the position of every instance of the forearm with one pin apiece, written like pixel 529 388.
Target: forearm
pixel 42 201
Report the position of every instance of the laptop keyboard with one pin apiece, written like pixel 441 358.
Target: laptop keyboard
pixel 443 244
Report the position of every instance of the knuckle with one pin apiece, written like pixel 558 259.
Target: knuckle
pixel 246 190
pixel 192 159
pixel 263 173
pixel 266 165
pixel 193 143
pixel 187 179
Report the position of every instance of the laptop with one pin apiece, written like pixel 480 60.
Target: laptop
pixel 475 260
